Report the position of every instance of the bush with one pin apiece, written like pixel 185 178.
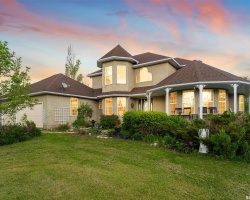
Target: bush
pixel 109 121
pixel 85 111
pixel 10 134
pixel 63 127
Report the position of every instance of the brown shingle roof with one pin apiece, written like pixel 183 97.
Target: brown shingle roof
pixel 54 84
pixel 182 61
pixel 148 57
pixel 197 71
pixel 117 51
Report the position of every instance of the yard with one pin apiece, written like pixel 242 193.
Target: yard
pixel 66 166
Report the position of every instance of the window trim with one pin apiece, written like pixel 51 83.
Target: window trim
pixel 222 101
pixel 243 103
pixel 192 111
pixel 111 75
pixel 175 103
pixel 117 79
pixel 109 106
pixel 124 106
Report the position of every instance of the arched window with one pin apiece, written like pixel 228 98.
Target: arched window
pixel 143 76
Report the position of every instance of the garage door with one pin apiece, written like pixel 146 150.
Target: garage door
pixel 36 115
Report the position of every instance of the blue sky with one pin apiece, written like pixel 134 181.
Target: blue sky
pixel 214 31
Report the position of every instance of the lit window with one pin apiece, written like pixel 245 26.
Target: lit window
pixel 144 75
pixel 188 101
pixel 222 101
pixel 121 105
pixel 73 106
pixel 108 106
pixel 100 104
pixel 173 102
pixel 108 75
pixel 241 102
pixel 208 98
pixel 121 74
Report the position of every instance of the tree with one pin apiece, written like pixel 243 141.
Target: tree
pixel 14 83
pixel 72 66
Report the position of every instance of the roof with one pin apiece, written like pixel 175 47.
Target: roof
pixel 148 57
pixel 53 84
pixel 117 51
pixel 197 71
pixel 95 73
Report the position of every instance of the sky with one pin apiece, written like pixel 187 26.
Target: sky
pixel 217 32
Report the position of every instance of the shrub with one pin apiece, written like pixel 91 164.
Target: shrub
pixel 23 131
pixel 111 132
pixel 109 121
pixel 85 111
pixel 63 127
pixel 144 123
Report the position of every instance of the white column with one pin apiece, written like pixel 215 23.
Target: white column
pixel 167 100
pixel 201 100
pixel 149 100
pixel 235 97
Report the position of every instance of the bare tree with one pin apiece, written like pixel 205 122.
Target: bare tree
pixel 72 66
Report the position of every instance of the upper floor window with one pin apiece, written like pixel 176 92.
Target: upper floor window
pixel 222 101
pixel 121 74
pixel 108 106
pixel 143 76
pixel 121 105
pixel 73 106
pixel 108 75
pixel 241 102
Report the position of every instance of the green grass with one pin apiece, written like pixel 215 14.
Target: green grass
pixel 65 166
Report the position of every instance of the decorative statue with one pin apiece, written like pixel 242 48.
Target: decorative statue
pixel 203 133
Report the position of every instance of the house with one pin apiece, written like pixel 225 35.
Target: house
pixel 141 82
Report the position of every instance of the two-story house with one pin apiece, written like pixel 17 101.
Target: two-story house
pixel 141 82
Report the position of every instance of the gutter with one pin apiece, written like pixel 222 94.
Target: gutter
pixel 60 94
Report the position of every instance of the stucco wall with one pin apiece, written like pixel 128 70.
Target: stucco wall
pixel 114 86
pixel 159 72
pixel 96 82
pixel 159 104
pixel 50 102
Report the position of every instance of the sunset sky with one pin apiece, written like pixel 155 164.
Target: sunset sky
pixel 214 31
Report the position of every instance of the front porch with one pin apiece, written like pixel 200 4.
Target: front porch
pixel 186 100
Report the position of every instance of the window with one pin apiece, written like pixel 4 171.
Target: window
pixel 241 102
pixel 73 106
pixel 121 105
pixel 222 101
pixel 108 106
pixel 208 98
pixel 173 102
pixel 143 76
pixel 108 75
pixel 188 101
pixel 62 115
pixel 121 74
pixel 100 104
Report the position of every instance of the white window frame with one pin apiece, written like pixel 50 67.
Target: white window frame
pixel 109 106
pixel 222 101
pixel 242 103
pixel 119 81
pixel 106 75
pixel 125 105
pixel 192 108
pixel 71 107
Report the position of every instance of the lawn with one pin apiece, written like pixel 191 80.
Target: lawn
pixel 66 166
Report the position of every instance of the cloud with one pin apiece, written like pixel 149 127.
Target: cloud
pixel 119 13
